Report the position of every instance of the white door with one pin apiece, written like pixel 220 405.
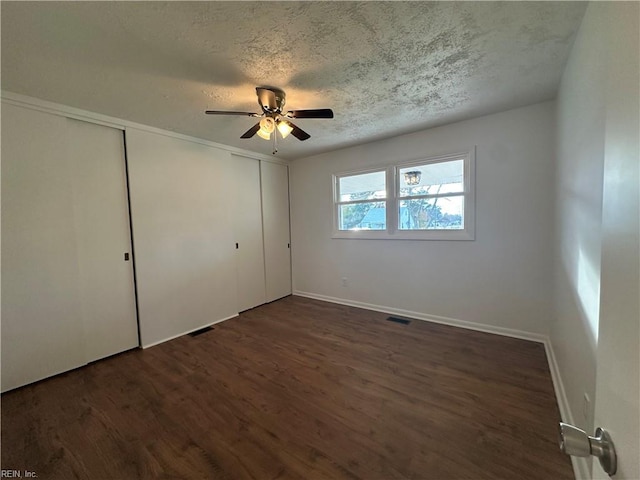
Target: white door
pixel 42 331
pixel 101 215
pixel 248 233
pixel 181 194
pixel 275 221
pixel 617 407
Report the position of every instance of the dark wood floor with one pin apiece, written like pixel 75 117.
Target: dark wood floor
pixel 297 389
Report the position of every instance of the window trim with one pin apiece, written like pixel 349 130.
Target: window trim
pixel 392 185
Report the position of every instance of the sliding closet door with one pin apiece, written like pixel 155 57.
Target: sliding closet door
pixel 42 332
pixel 182 212
pixel 275 222
pixel 104 240
pixel 248 233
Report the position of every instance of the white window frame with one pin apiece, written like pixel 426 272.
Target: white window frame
pixel 379 234
pixel 392 200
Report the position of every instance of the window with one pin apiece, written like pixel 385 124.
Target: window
pixel 361 201
pixel 431 196
pixel 429 199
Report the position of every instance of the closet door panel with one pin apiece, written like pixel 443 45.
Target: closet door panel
pixel 42 332
pixel 275 221
pixel 248 232
pixel 181 194
pixel 103 236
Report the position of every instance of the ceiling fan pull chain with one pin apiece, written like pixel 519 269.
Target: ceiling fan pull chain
pixel 275 142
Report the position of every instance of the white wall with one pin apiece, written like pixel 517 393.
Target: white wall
pixel 579 175
pixel 183 234
pixel 501 279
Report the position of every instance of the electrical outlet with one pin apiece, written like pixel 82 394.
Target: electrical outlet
pixel 345 282
pixel 586 406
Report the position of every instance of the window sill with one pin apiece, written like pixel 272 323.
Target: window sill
pixel 453 235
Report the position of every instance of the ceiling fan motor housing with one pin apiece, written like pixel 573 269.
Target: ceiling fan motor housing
pixel 271 99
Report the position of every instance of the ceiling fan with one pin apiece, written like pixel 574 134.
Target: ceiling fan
pixel 273 117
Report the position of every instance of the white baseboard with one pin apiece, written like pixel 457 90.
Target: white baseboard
pixel 580 465
pixel 149 345
pixel 480 327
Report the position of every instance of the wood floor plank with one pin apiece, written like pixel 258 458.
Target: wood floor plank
pixel 297 389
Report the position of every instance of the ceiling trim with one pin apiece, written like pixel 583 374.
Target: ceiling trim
pixel 120 124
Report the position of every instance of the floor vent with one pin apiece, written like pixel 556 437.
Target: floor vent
pixel 403 321
pixel 201 331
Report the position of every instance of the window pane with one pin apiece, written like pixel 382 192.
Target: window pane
pixel 443 213
pixel 432 178
pixel 363 216
pixel 367 186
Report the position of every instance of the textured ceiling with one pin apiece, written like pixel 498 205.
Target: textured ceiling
pixel 385 68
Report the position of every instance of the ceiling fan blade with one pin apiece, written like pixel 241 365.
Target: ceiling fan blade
pixel 298 132
pixel 251 132
pixel 317 113
pixel 222 112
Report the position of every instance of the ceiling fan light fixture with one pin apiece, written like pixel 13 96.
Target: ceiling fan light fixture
pixel 263 134
pixel 284 128
pixel 267 126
